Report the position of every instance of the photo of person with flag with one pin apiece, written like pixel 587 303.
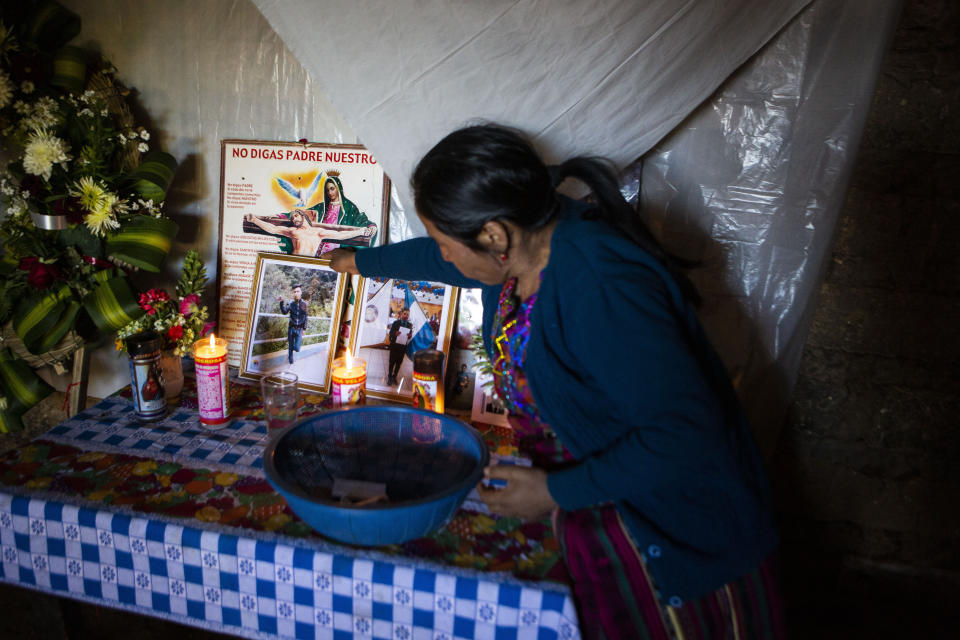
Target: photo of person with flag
pixel 393 319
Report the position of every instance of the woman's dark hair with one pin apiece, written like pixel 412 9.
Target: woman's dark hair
pixel 489 172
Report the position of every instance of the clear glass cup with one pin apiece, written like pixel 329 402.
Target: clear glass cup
pixel 281 399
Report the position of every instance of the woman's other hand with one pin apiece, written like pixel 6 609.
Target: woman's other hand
pixel 343 261
pixel 525 496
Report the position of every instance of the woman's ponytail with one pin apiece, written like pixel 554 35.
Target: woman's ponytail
pixel 612 208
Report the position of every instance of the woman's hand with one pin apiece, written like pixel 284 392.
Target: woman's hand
pixel 343 261
pixel 525 496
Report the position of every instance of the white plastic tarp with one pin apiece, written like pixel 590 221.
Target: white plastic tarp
pixel 750 183
pixel 749 178
pixel 607 76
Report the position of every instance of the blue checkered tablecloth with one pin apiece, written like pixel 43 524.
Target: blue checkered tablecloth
pixel 243 583
pixel 112 425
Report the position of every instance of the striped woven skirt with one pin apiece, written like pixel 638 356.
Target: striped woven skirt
pixel 617 598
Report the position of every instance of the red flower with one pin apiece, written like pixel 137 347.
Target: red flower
pixel 175 332
pixel 41 275
pixel 147 299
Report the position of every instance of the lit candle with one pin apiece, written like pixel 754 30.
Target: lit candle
pixel 349 381
pixel 213 383
pixel 428 380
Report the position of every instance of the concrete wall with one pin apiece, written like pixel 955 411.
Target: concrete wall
pixel 868 466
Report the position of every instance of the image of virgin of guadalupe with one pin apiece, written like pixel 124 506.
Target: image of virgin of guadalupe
pixel 336 209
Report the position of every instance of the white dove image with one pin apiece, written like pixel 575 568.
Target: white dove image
pixel 302 195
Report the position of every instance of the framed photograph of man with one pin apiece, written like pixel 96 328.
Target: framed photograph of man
pixel 392 320
pixel 294 319
pixel 462 360
pixel 293 198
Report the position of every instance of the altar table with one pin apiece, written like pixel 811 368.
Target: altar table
pixel 169 519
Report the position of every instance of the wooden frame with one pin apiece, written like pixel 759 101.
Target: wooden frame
pixel 272 200
pixel 266 325
pixel 377 304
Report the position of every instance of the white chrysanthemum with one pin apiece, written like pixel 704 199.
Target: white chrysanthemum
pixel 89 192
pixel 143 147
pixel 85 112
pixel 44 150
pixel 132 134
pixel 21 107
pixel 44 114
pixel 6 89
pixel 104 113
pixel 101 221
pixel 144 135
pixel 27 87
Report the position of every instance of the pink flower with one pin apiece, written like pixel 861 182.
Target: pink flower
pixel 147 299
pixel 190 305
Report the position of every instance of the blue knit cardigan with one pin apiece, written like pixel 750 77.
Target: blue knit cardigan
pixel 620 368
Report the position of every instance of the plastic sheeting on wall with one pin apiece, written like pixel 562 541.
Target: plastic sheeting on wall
pixel 751 185
pixel 609 76
pixel 751 182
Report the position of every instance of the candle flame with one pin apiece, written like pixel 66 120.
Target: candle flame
pixel 349 360
pixel 213 341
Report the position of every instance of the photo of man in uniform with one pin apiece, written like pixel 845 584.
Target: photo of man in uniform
pixel 298 321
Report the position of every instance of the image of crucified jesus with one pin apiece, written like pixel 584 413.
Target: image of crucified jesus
pixel 306 236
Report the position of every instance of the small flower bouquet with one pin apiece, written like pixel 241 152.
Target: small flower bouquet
pixel 81 196
pixel 181 321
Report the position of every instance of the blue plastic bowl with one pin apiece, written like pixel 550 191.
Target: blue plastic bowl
pixel 428 463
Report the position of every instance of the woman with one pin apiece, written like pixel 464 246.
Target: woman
pixel 640 449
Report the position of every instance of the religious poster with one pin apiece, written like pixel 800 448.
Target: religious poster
pixel 293 198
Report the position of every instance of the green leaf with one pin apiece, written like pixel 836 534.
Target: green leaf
pixel 112 304
pixel 143 241
pixel 36 315
pixel 80 237
pixel 20 384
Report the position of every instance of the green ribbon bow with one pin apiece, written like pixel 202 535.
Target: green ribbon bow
pixel 21 387
pixel 70 69
pixel 112 303
pixel 41 321
pixel 143 241
pixel 152 178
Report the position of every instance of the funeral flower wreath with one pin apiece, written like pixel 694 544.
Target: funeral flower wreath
pixel 81 197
